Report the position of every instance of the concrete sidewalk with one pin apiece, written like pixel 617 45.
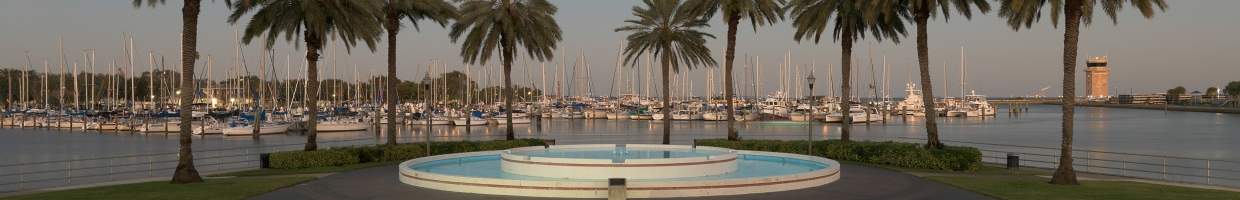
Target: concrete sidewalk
pixel 856 182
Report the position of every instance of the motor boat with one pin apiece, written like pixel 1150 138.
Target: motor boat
pixel 469 121
pixel 687 114
pixel 857 113
pixel 248 129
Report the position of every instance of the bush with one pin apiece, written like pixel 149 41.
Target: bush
pixel 387 153
pixel 907 155
pixel 402 152
pixel 310 159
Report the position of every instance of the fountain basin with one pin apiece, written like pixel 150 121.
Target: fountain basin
pixel 603 161
pixel 485 173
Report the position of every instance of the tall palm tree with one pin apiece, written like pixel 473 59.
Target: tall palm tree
pixel 185 171
pixel 759 13
pixel 672 32
pixel 313 21
pixel 1023 13
pixel 850 20
pixel 490 25
pixel 922 10
pixel 438 11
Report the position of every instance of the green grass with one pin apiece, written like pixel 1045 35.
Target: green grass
pixel 219 188
pixel 1032 184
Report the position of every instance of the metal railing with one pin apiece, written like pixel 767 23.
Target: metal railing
pixel 1177 169
pixel 82 171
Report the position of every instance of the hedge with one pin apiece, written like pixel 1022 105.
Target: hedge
pixel 341 156
pixel 898 154
pixel 309 159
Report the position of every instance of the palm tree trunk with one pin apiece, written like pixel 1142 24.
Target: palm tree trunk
pixel 727 79
pixel 314 42
pixel 667 102
pixel 1064 174
pixel 393 26
pixel 508 93
pixel 185 172
pixel 927 91
pixel 845 68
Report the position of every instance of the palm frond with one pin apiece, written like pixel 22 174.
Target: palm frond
pixel 670 31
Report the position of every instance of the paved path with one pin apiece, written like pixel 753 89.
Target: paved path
pixel 856 182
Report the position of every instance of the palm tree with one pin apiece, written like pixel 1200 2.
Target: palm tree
pixel 1023 13
pixel 850 20
pixel 759 13
pixel 438 11
pixel 503 25
pixel 313 21
pixel 673 34
pixel 185 171
pixel 922 10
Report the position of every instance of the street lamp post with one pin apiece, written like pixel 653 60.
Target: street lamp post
pixel 810 132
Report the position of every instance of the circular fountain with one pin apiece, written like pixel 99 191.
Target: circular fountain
pixel 648 171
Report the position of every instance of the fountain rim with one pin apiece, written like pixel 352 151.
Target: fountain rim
pixel 591 188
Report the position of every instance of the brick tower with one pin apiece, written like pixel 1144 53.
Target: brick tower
pixel 1097 74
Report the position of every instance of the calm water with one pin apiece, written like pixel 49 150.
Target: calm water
pixel 611 153
pixel 1189 134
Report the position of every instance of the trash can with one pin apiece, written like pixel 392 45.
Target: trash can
pixel 1013 161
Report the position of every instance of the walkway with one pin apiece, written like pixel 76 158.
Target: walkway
pixel 856 182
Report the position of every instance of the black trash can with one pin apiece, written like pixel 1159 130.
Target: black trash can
pixel 1013 161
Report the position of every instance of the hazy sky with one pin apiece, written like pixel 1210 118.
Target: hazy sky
pixel 1187 45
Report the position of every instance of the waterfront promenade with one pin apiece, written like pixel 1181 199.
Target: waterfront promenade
pixel 857 182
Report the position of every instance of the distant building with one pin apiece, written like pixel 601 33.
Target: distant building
pixel 1097 74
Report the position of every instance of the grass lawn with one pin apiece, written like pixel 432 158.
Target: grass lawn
pixel 216 188
pixel 1031 184
pixel 1034 187
pixel 235 185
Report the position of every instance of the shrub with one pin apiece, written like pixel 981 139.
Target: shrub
pixel 388 153
pixel 309 159
pixel 907 155
pixel 402 152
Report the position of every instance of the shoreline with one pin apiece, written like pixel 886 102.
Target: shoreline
pixel 1162 107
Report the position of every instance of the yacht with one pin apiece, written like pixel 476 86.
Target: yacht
pixel 912 104
pixel 686 114
pixel 858 114
pixel 341 124
pixel 470 121
pixel 242 128
pixel 977 106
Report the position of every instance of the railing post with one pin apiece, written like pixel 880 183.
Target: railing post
pixel 109 176
pixel 150 166
pixel 69 177
pixel 1164 168
pixel 1087 161
pixel 21 178
pixel 1207 172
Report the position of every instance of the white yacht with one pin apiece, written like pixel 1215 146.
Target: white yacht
pixel 248 129
pixel 686 114
pixel 470 121
pixel 858 114
pixel 341 124
pixel 912 104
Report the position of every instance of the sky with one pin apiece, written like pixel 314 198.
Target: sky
pixel 1191 44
